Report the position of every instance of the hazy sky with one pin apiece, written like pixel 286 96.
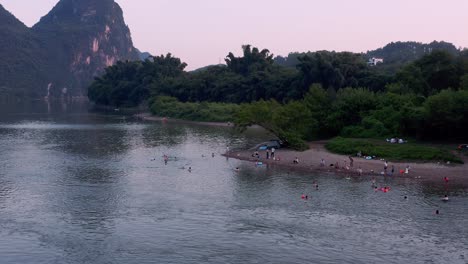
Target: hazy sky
pixel 202 32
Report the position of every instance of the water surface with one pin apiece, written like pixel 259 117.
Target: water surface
pixel 81 187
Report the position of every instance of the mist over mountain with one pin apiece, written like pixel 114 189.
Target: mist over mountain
pixel 65 50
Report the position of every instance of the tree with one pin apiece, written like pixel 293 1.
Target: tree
pixel 253 60
pixel 447 114
pixel 464 82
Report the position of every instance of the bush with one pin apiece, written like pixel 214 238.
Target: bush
pixel 208 112
pixel 370 128
pixel 408 151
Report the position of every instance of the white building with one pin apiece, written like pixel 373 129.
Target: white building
pixel 374 61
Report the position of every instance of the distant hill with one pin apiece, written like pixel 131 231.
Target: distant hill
pixel 143 55
pixel 61 54
pixel 205 68
pixel 395 54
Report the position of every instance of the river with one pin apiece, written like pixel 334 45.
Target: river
pixel 83 187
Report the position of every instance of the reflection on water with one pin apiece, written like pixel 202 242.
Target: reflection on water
pixel 89 188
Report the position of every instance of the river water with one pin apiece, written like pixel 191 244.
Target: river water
pixel 81 187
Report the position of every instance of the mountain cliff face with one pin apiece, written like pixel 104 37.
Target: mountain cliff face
pixel 62 53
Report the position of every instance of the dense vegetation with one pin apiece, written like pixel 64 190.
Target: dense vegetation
pixel 212 112
pixel 21 64
pixel 379 148
pixel 326 94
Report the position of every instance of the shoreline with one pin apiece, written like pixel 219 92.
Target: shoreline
pixel 309 161
pixel 149 117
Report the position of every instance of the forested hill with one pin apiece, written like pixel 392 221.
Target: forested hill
pixel 20 63
pixel 395 54
pixel 63 52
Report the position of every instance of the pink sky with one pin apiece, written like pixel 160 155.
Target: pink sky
pixel 202 32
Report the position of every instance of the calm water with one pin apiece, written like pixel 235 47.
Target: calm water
pixel 77 187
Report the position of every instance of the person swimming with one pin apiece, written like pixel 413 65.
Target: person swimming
pixel 190 169
pixel 406 197
pixel 237 169
pixel 437 212
pixel 445 199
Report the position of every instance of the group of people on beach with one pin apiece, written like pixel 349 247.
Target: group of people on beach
pixel 269 154
pixel 347 165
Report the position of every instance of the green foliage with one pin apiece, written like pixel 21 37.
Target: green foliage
pixel 292 123
pixel 166 106
pixel 432 73
pixel 130 83
pixel 370 128
pixel 332 69
pixel 464 82
pixel 319 99
pixel 253 60
pixel 407 151
pixel 447 114
pixel 351 104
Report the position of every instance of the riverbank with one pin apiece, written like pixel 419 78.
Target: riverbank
pixel 310 161
pixel 149 117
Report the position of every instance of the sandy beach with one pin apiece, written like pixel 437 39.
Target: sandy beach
pixel 310 161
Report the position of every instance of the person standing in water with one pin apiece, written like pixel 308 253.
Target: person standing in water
pixel 273 153
pixel 267 154
pixel 385 167
pixel 393 170
pixel 351 161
